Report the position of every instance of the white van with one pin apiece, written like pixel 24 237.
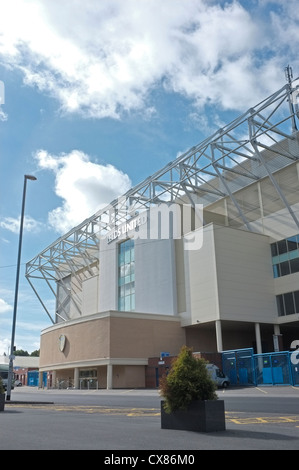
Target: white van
pixel 218 376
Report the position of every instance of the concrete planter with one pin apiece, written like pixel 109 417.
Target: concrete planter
pixel 2 401
pixel 200 416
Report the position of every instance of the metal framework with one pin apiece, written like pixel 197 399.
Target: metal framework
pixel 229 160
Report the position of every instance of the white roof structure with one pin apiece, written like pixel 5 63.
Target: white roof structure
pixel 25 362
pixel 251 148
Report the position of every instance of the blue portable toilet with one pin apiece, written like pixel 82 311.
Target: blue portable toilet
pixel 32 378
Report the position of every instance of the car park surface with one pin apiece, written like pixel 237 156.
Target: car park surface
pixel 256 419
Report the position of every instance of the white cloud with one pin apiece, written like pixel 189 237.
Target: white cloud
pixel 102 58
pixel 13 224
pixel 84 186
pixel 4 346
pixel 4 306
pixel 3 115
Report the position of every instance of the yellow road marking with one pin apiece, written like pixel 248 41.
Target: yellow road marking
pixel 233 417
pixel 264 419
pixel 92 409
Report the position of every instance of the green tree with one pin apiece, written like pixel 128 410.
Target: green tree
pixel 35 353
pixel 187 380
pixel 21 352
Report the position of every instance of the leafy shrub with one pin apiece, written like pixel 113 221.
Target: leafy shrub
pixel 187 380
pixel 1 386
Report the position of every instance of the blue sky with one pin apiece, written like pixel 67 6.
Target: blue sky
pixel 100 94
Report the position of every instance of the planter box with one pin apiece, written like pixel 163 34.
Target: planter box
pixel 2 401
pixel 200 416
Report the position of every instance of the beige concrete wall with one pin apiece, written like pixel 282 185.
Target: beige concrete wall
pixel 180 276
pixel 201 281
pixel 90 295
pixel 230 278
pixel 115 335
pixel 202 338
pixel 244 276
pixel 128 376
pixel 288 283
pixel 85 340
pixel 141 337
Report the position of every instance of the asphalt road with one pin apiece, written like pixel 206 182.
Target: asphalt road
pixel 118 421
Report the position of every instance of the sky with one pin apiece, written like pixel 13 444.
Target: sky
pixel 95 96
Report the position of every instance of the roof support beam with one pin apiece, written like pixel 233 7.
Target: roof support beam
pixel 274 182
pixel 203 170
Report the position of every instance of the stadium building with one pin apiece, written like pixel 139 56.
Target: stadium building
pixel 205 252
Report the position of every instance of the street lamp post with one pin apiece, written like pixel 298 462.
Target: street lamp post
pixel 11 357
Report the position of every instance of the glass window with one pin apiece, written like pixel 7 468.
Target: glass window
pixel 126 276
pixel 276 272
pixel 280 306
pixel 289 303
pixel 274 250
pixel 296 297
pixel 121 303
pixel 294 263
pixel 285 256
pixel 285 268
pixel 282 247
pixel 294 254
pixel 292 243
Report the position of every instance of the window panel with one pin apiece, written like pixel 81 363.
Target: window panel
pixel 127 303
pixel 292 243
pixel 284 268
pixel 126 268
pixel 274 250
pixel 127 289
pixel 280 305
pixel 285 256
pixel 121 271
pixel 289 303
pixel 127 257
pixel 294 254
pixel 276 271
pixel 282 247
pixel 296 298
pixel 121 303
pixel 294 263
pixel 122 291
pixel 275 259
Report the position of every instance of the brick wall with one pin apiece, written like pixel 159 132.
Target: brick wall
pixel 157 368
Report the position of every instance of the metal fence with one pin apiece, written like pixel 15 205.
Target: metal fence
pixel 243 367
pixel 238 366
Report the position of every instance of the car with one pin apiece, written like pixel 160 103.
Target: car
pixel 18 383
pixel 218 376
